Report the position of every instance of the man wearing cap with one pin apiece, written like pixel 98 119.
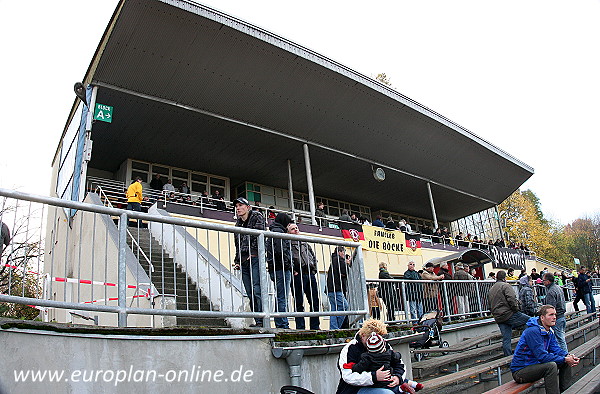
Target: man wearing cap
pixel 246 253
pixel 430 291
pixel 505 310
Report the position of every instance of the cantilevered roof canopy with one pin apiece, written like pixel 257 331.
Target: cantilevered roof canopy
pixel 194 88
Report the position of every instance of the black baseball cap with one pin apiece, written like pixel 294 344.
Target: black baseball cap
pixel 241 200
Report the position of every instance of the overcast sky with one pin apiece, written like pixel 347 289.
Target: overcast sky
pixel 524 75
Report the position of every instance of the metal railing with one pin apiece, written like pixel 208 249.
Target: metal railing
pixel 135 246
pixel 193 264
pixel 402 300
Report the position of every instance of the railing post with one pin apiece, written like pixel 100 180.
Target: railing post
pixel 122 269
pixel 264 281
pixel 363 280
pixel 405 299
pixel 445 291
pixel 478 298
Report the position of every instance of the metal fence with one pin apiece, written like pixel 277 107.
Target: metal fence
pixel 145 266
pixel 402 300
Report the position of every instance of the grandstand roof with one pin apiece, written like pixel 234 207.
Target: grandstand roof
pixel 194 88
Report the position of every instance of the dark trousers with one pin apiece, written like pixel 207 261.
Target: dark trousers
pixel 556 379
pixel 134 206
pixel 578 297
pixel 375 312
pixel 306 284
pixel 518 319
pixel 251 281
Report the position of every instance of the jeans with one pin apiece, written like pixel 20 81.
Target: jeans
pixel 559 332
pixel 338 302
pixel 251 280
pixel 556 379
pixel 306 284
pixel 282 280
pixel 416 309
pixel 135 206
pixel 590 303
pixel 518 319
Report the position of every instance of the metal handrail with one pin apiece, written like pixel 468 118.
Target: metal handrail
pixel 133 240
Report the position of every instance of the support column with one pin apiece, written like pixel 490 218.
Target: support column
pixel 435 222
pixel 291 189
pixel 499 222
pixel 311 192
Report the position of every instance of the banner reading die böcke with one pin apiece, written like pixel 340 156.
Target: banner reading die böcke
pixel 381 240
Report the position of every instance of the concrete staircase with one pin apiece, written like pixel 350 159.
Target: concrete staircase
pixel 170 280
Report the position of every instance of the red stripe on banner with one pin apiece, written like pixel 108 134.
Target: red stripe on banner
pixel 109 284
pixel 60 279
pixel 85 281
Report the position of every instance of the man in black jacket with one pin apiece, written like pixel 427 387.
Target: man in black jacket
pixel 337 286
pixel 246 253
pixel 389 292
pixel 304 280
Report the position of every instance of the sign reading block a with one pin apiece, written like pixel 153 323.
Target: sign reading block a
pixel 103 112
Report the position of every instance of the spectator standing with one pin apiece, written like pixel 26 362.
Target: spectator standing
pixel 528 304
pixel 510 274
pixel 492 275
pixel 156 183
pixel 538 355
pixel 389 292
pixel 337 285
pixel 246 253
pixel 345 217
pixel 304 280
pixel 378 222
pixel 169 186
pixel 320 214
pixel 404 227
pixel 505 310
pixel 556 298
pixel 184 188
pixel 390 224
pixel 578 293
pixel 534 275
pixel 279 265
pixel 219 200
pixel 374 301
pixel 135 197
pixel 430 290
pixel 584 282
pixel 414 292
pixel 463 289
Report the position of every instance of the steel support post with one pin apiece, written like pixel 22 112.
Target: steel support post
pixel 122 269
pixel 264 281
pixel 291 189
pixel 309 183
pixel 435 222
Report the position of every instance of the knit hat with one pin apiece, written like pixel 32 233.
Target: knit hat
pixel 376 343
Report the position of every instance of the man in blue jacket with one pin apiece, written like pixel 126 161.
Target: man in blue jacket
pixel 538 355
